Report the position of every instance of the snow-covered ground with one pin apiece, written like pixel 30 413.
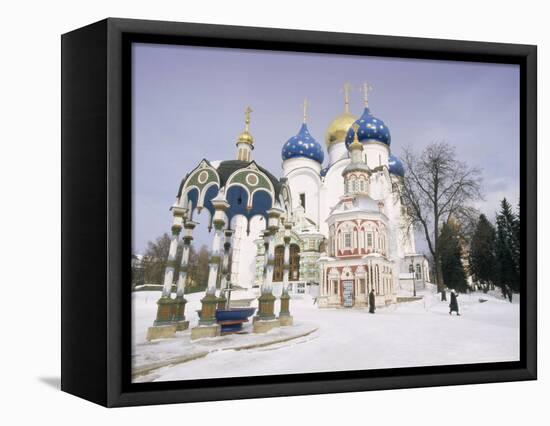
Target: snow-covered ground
pixel 419 333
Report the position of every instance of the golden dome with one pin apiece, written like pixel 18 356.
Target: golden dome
pixel 338 129
pixel 245 137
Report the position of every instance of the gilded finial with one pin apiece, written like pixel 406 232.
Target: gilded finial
pixel 306 106
pixel 245 136
pixel 346 90
pixel 247 112
pixel 355 144
pixel 355 128
pixel 366 89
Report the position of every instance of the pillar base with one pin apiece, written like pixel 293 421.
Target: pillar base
pixel 182 325
pixel 286 320
pixel 263 326
pixel 165 311
pixel 202 331
pixel 266 305
pixel 161 332
pixel 222 303
pixel 208 310
pixel 179 309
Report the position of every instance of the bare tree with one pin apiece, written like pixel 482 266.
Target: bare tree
pixel 438 187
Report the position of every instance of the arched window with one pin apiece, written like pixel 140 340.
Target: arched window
pixel 411 269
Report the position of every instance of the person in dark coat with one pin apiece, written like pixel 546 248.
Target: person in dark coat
pixel 372 306
pixel 453 306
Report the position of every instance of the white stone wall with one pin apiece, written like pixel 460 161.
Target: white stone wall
pixel 376 154
pixel 337 151
pixel 303 176
pixel 243 266
pixel 331 191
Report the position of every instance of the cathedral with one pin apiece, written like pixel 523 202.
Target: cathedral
pixel 340 224
pixel 349 234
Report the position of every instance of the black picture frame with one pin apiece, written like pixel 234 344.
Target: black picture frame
pixel 96 165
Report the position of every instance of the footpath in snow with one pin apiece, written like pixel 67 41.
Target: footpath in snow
pixel 419 333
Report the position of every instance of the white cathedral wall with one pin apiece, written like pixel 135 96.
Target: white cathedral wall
pixel 376 154
pixel 243 266
pixel 331 191
pixel 336 152
pixel 304 177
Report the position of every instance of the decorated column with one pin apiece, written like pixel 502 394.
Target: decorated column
pixel 284 316
pixel 180 302
pixel 164 326
pixel 225 270
pixel 266 319
pixel 207 323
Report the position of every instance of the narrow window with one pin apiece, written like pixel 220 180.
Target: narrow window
pixel 418 272
pixel 347 240
pixel 369 239
pixel 303 200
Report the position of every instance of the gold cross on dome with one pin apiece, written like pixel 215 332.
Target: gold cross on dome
pixel 247 112
pixel 306 107
pixel 346 90
pixel 366 89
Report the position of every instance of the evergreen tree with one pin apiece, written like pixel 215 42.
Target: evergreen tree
pixel 482 259
pixel 452 268
pixel 507 250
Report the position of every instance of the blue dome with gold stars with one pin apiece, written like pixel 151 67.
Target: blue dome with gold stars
pixel 370 128
pixel 303 145
pixel 395 166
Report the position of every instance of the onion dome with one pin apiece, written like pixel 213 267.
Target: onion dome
pixel 396 166
pixel 303 145
pixel 370 129
pixel 246 137
pixel 338 128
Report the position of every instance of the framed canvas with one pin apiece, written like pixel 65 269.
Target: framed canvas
pixel 256 212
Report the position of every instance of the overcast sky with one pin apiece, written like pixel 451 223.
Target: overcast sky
pixel 188 104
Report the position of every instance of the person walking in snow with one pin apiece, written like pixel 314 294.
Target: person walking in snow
pixel 453 306
pixel 372 306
